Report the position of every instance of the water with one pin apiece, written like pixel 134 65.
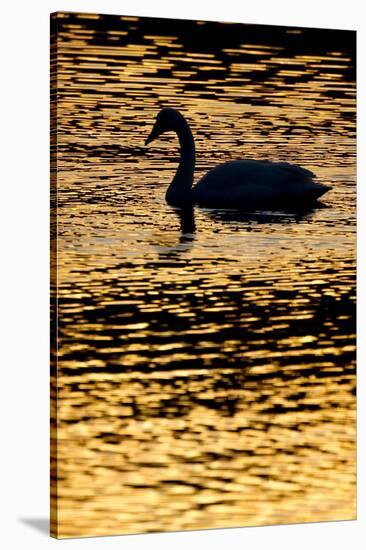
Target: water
pixel 206 363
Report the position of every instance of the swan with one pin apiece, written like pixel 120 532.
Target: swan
pixel 241 184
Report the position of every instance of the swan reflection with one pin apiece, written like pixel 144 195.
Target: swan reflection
pixel 181 242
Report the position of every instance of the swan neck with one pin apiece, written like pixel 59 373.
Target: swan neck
pixel 187 154
pixel 186 143
pixel 179 190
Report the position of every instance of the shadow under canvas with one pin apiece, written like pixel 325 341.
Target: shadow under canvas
pixel 39 524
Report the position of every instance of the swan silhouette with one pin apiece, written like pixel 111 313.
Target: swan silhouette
pixel 244 184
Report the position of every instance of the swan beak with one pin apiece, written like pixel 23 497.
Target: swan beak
pixel 149 139
pixel 153 135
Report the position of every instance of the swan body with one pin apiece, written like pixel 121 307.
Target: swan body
pixel 234 184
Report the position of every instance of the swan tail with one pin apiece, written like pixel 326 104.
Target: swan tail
pixel 309 192
pixel 320 190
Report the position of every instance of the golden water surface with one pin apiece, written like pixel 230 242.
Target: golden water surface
pixel 206 362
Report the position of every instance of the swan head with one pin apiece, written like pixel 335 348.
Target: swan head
pixel 168 120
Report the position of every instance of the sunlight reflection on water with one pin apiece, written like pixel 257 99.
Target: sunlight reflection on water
pixel 207 365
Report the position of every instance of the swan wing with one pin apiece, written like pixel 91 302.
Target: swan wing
pixel 295 171
pixel 243 173
pixel 257 182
